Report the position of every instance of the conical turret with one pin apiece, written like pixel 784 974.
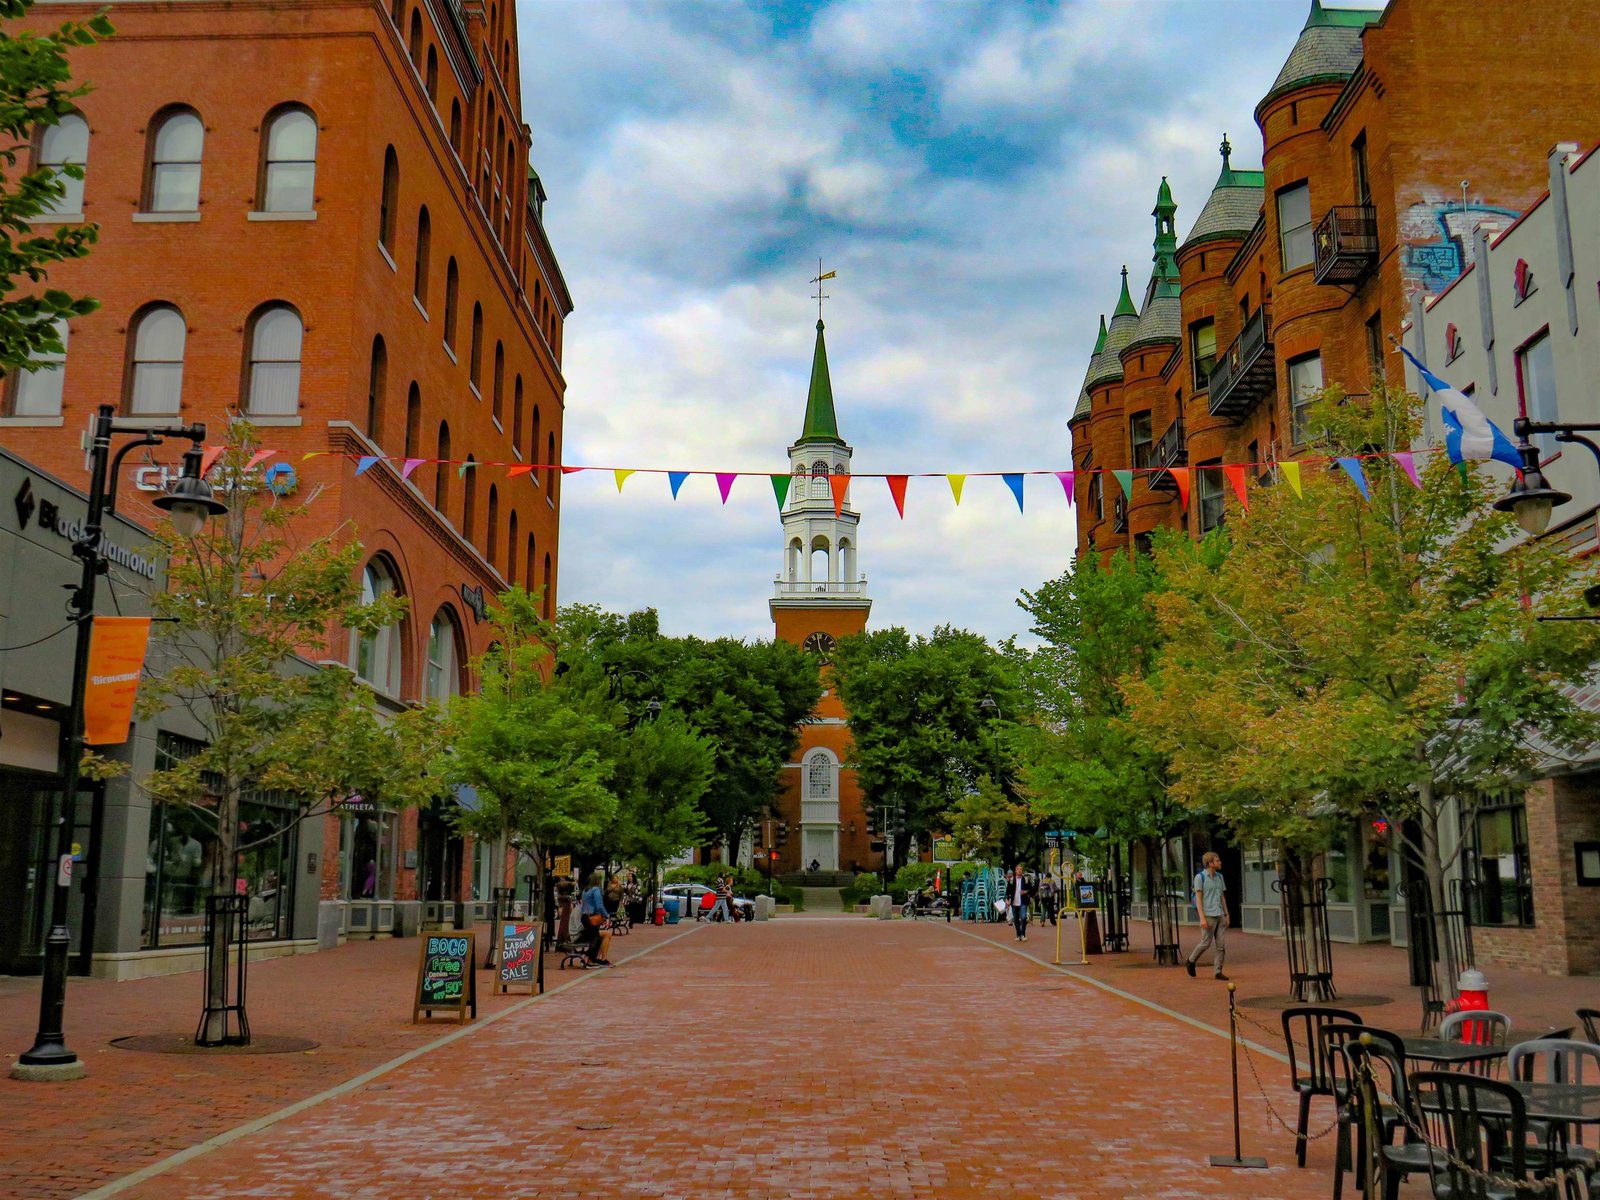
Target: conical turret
pixel 821 424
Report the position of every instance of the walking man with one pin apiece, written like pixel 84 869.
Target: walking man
pixel 1211 905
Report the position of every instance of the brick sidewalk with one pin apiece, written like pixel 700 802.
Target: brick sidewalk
pixel 61 1140
pixel 799 1060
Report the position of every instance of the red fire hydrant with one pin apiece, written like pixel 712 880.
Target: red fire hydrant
pixel 659 916
pixel 1473 989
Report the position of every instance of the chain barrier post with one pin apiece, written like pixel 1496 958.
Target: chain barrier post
pixel 1237 1159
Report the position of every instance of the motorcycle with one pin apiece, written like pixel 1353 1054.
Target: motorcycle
pixel 924 904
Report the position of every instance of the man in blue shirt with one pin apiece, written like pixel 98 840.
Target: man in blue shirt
pixel 1211 905
pixel 593 913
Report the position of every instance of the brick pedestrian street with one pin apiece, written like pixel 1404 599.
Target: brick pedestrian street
pixel 806 1057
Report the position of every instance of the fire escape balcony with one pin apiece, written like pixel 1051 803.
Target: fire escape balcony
pixel 1172 450
pixel 1345 248
pixel 1245 372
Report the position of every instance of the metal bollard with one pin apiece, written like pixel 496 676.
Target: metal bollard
pixel 1237 1159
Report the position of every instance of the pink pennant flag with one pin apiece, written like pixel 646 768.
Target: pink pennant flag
pixel 259 457
pixel 209 459
pixel 1408 464
pixel 725 483
pixel 520 469
pixel 1235 474
pixel 411 464
pixel 897 489
pixel 1066 478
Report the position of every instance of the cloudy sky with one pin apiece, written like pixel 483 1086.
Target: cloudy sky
pixel 977 173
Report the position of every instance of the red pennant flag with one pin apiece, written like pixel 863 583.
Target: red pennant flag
pixel 209 459
pixel 1235 474
pixel 840 484
pixel 725 483
pixel 897 489
pixel 521 469
pixel 261 456
pixel 1180 476
pixel 571 470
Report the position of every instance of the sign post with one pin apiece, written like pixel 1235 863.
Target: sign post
pixel 446 981
pixel 519 952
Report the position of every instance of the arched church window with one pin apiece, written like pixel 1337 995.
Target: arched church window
pixel 818 567
pixel 819 478
pixel 796 555
pixel 819 776
pixel 847 560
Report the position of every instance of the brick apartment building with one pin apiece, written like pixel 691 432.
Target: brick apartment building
pixel 1299 275
pixel 319 215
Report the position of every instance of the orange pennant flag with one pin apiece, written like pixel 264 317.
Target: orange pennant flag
pixel 1235 474
pixel 523 469
pixel 897 489
pixel 840 484
pixel 1291 472
pixel 1180 476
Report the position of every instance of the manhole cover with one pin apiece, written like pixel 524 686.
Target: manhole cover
pixel 183 1043
pixel 594 1124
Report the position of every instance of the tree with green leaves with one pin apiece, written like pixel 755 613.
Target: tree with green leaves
pixel 922 736
pixel 244 598
pixel 661 775
pixel 36 93
pixel 1348 654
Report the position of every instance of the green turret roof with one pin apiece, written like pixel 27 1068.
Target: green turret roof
pixel 821 425
pixel 1164 200
pixel 1125 306
pixel 1100 342
pixel 1164 278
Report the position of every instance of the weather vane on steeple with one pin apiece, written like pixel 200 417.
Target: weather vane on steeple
pixel 821 295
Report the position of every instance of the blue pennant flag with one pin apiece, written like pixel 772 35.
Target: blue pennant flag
pixel 1014 482
pixel 676 478
pixel 366 461
pixel 1352 468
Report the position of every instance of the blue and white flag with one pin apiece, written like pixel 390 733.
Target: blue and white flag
pixel 1468 433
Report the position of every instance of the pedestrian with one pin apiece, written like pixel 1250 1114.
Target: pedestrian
pixel 592 907
pixel 1020 892
pixel 722 910
pixel 1049 895
pixel 1211 906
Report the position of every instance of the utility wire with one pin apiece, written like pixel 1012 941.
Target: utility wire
pixel 36 641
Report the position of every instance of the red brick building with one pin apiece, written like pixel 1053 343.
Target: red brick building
pixel 1381 156
pixel 319 215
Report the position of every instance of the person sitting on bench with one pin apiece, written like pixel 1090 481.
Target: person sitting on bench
pixel 592 910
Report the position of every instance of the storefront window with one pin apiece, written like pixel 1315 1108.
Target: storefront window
pixel 1375 876
pixel 1336 865
pixel 484 875
pixel 1496 864
pixel 368 839
pixel 1139 869
pixel 1260 869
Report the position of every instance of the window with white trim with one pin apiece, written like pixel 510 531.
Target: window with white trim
pixel 273 380
pixel 36 391
pixel 155 378
pixel 62 145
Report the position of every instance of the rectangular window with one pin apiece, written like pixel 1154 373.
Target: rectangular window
pixel 1358 169
pixel 1203 351
pixel 1496 862
pixel 1305 386
pixel 367 843
pixel 1208 495
pixel 1097 498
pixel 483 873
pixel 1375 348
pixel 1294 226
pixel 1139 438
pixel 37 390
pixel 1536 384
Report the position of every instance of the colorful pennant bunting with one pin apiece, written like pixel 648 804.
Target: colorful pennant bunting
pixel 1180 476
pixel 725 483
pixel 897 489
pixel 676 478
pixel 1291 474
pixel 461 471
pixel 520 469
pixel 1408 464
pixel 780 488
pixel 208 459
pixel 366 461
pixel 1235 473
pixel 572 470
pixel 622 474
pixel 1352 468
pixel 411 464
pixel 1014 482
pixel 1125 478
pixel 840 485
pixel 957 482
pixel 1066 478
pixel 259 457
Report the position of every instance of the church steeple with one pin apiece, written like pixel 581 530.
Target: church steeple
pixel 1165 275
pixel 821 424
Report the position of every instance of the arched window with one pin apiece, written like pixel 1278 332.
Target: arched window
pixel 475 354
pixel 549 597
pixel 419 274
pixel 414 43
pixel 377 382
pixel 273 380
pixel 516 414
pixel 819 478
pixel 375 656
pixel 155 363
pixel 533 444
pixel 430 79
pixel 532 563
pixel 511 547
pixel 817 571
pixel 455 126
pixel 65 144
pixel 469 498
pixel 452 292
pixel 498 401
pixel 289 163
pixel 413 421
pixel 388 200
pixel 444 657
pixel 551 465
pixel 847 561
pixel 36 389
pixel 172 183
pixel 795 556
pixel 441 472
pixel 819 776
pixel 491 539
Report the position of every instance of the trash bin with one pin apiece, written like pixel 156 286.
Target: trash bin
pixel 674 909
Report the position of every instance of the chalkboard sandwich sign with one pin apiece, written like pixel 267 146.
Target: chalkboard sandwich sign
pixel 519 952
pixel 445 979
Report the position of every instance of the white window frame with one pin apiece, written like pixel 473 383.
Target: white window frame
pixel 1295 241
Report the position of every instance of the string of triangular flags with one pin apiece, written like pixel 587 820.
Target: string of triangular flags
pixel 1236 474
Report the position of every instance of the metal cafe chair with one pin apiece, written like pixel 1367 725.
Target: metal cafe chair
pixel 1480 1027
pixel 1411 1155
pixel 1591 1023
pixel 1558 1060
pixel 1481 1126
pixel 1317 1079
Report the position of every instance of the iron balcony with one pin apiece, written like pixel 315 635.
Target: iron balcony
pixel 1246 371
pixel 1172 450
pixel 1345 247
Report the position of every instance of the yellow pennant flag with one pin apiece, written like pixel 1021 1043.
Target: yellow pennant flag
pixel 1291 472
pixel 957 482
pixel 622 474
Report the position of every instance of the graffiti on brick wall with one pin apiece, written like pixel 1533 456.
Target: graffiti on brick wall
pixel 1436 239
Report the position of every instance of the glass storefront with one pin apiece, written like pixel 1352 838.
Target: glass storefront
pixel 1497 865
pixel 369 839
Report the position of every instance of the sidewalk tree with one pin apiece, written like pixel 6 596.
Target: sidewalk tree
pixel 661 776
pixel 982 819
pixel 1346 656
pixel 36 93
pixel 245 597
pixel 922 738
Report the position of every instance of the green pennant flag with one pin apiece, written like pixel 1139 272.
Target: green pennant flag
pixel 780 488
pixel 461 471
pixel 1125 478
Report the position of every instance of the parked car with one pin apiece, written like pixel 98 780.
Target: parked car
pixel 696 894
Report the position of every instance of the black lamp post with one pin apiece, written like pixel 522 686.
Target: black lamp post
pixel 188 506
pixel 1531 498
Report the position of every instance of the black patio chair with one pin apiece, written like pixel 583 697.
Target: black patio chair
pixel 1480 1027
pixel 1557 1060
pixel 1308 1020
pixel 1591 1023
pixel 1481 1126
pixel 1411 1155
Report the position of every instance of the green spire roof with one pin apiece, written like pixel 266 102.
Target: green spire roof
pixel 1165 256
pixel 821 424
pixel 1346 18
pixel 1100 342
pixel 1125 302
pixel 1164 200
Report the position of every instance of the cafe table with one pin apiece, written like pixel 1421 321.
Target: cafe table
pixel 1442 1052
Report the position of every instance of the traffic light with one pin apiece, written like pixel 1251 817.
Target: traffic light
pixel 774 856
pixel 783 836
pixel 900 822
pixel 761 834
pixel 872 821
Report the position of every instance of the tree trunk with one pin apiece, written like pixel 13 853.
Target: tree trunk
pixel 224 882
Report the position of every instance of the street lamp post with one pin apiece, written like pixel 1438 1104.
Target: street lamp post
pixel 1531 498
pixel 188 506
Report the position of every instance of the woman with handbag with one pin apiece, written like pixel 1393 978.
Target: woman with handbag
pixel 1018 893
pixel 592 911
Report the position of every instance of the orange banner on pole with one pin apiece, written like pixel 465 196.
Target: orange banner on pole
pixel 116 659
